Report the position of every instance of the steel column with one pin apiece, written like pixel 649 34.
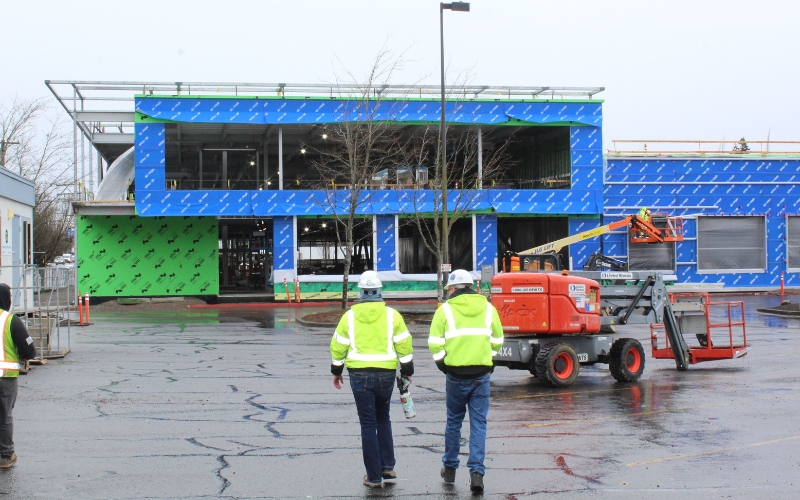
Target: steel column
pixel 480 159
pixel 280 158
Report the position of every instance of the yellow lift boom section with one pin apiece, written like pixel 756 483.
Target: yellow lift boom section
pixel 643 231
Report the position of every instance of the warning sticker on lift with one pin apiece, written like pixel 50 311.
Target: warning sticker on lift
pixel 527 289
pixel 577 290
pixel 496 289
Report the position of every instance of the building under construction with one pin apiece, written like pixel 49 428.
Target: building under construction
pixel 214 189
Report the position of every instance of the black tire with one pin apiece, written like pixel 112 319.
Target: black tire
pixel 557 365
pixel 626 361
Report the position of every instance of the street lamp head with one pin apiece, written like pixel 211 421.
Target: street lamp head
pixel 456 6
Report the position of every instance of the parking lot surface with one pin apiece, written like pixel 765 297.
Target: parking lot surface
pixel 238 403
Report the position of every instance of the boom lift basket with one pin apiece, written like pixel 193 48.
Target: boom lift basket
pixel 660 228
pixel 695 313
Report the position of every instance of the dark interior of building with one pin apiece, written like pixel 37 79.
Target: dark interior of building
pixel 245 157
pixel 516 234
pixel 416 258
pixel 321 254
pixel 245 254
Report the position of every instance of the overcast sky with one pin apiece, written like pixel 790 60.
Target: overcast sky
pixel 696 69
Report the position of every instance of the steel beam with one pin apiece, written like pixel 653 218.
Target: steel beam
pixel 106 116
pixel 109 138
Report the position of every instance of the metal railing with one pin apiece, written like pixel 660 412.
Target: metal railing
pixel 41 296
pixel 667 147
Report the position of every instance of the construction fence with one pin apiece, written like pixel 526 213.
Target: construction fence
pixel 43 297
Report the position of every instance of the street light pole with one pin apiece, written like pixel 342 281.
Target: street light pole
pixel 457 7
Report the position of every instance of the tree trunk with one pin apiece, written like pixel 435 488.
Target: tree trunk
pixel 346 278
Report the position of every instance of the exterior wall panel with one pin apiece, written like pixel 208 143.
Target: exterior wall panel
pixel 729 186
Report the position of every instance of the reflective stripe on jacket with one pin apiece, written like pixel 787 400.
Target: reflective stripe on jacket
pixel 371 335
pixel 466 331
pixel 9 364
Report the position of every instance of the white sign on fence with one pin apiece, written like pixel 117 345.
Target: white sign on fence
pixel 446 268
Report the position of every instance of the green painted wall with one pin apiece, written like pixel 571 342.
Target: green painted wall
pixel 129 256
pixel 333 290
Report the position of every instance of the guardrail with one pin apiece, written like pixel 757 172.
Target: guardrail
pixel 42 296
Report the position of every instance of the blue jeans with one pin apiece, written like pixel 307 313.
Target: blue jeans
pixel 373 393
pixel 463 394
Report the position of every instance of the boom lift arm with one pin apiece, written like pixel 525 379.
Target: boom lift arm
pixel 658 229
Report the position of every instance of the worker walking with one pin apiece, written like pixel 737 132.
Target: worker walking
pixel 370 339
pixel 17 347
pixel 465 335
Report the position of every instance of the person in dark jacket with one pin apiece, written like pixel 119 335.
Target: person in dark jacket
pixel 17 347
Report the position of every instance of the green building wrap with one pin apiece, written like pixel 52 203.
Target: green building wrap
pixel 331 290
pixel 129 256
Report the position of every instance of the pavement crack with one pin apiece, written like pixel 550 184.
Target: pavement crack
pixel 253 403
pixel 270 427
pixel 195 442
pixel 101 412
pixel 429 389
pixel 223 465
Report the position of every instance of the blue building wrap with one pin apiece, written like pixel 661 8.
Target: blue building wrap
pixel 149 157
pixel 261 110
pixel 224 203
pixel 485 240
pixel 585 197
pixel 719 186
pixel 284 236
pixel 385 243
pixel 586 152
pixel 580 252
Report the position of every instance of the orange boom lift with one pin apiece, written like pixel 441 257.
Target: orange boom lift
pixel 555 322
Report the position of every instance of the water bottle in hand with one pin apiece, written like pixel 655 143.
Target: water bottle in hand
pixel 405 397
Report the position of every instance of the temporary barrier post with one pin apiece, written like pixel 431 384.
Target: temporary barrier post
pixel 86 304
pixel 80 309
pixel 286 287
pixel 297 290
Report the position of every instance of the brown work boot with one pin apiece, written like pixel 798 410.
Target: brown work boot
pixel 389 476
pixel 8 462
pixel 372 484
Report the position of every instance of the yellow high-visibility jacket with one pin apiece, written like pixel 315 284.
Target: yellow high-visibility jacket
pixel 371 335
pixel 465 334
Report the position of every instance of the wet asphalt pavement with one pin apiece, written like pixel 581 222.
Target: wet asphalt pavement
pixel 239 403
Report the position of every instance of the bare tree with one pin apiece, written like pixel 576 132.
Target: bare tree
pixel 423 208
pixel 361 145
pixel 18 125
pixel 36 147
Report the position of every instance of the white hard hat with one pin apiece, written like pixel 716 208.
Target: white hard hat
pixel 459 277
pixel 370 279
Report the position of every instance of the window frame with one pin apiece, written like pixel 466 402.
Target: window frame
pixel 674 267
pixel 789 268
pixel 738 270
